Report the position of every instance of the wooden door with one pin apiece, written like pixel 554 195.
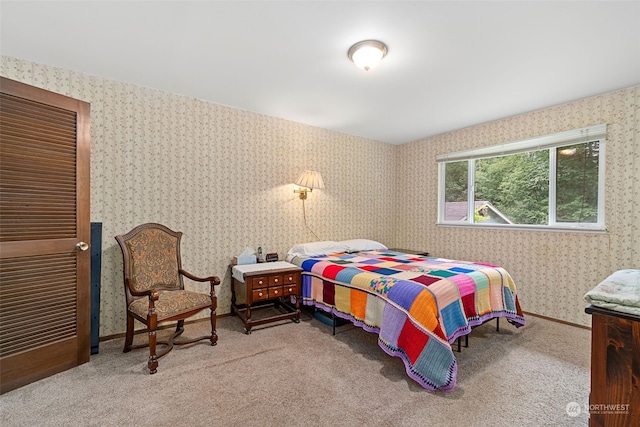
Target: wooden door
pixel 45 307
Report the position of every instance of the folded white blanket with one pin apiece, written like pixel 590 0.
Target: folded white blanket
pixel 619 292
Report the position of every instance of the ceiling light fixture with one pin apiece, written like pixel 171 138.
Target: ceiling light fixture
pixel 367 53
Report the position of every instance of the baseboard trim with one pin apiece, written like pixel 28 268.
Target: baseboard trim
pixel 144 331
pixel 564 322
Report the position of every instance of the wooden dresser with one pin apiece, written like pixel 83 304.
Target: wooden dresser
pixel 263 285
pixel 615 369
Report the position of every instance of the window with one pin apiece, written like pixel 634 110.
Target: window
pixel 553 181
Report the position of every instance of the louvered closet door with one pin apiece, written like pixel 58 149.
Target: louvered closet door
pixel 44 219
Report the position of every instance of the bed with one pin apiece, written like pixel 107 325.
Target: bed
pixel 418 305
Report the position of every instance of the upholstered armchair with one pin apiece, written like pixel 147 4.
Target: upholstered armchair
pixel 154 288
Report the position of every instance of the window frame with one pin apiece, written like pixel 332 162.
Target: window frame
pixel 547 142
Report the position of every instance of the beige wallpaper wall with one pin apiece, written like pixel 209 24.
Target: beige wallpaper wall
pixel 553 270
pixel 220 175
pixel 223 177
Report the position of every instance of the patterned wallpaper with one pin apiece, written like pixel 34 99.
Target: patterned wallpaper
pixel 223 177
pixel 553 270
pixel 220 175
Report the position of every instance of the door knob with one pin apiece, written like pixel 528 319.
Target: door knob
pixel 82 246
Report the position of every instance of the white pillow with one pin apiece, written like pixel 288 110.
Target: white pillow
pixel 356 245
pixel 317 248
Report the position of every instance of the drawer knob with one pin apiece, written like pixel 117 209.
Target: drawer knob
pixel 275 292
pixel 290 278
pixel 260 282
pixel 259 294
pixel 290 289
pixel 276 280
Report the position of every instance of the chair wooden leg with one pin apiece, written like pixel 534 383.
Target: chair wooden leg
pixel 214 335
pixel 153 358
pixel 128 340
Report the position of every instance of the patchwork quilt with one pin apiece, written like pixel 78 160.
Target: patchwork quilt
pixel 418 305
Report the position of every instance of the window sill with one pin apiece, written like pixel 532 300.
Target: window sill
pixel 512 227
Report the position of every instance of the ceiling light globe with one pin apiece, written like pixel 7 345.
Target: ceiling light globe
pixel 367 54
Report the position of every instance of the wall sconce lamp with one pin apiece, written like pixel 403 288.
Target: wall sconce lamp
pixel 367 53
pixel 307 181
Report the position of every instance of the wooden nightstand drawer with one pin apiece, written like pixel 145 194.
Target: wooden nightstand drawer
pixel 260 294
pixel 275 291
pixel 290 290
pixel 275 280
pixel 259 282
pixel 291 278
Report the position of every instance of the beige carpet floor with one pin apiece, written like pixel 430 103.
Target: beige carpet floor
pixel 301 375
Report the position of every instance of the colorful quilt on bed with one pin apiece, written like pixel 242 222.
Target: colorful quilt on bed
pixel 418 305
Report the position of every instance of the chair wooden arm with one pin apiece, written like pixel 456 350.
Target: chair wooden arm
pixel 215 280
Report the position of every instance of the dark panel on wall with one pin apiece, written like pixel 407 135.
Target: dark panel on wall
pixel 96 266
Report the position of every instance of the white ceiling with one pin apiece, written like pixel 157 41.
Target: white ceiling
pixel 451 64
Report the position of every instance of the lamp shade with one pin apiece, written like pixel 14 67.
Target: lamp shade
pixel 310 179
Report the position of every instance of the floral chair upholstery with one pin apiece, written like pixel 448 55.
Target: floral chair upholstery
pixel 154 288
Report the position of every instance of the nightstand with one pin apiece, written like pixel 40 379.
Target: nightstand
pixel 263 285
